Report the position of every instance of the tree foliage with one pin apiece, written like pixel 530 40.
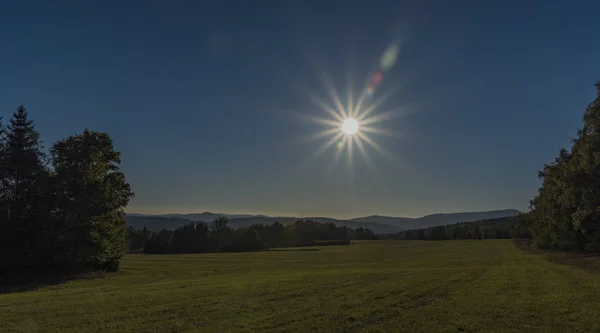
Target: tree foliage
pixel 504 227
pixel 91 196
pixel 66 215
pixel 219 237
pixel 566 210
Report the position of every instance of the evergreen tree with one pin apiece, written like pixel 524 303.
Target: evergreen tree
pixel 22 176
pixel 477 232
pixel 438 233
pixel 3 189
pixel 275 234
pixel 498 232
pixel 220 232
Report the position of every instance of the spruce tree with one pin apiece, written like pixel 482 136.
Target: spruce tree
pixel 22 171
pixel 3 193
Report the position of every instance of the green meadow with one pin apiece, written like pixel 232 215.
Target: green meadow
pixel 371 286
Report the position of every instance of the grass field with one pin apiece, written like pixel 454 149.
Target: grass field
pixel 378 286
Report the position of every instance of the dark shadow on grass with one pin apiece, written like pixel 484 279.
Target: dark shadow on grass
pixel 18 283
pixel 585 261
pixel 295 250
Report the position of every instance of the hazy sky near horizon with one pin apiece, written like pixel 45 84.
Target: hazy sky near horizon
pixel 211 102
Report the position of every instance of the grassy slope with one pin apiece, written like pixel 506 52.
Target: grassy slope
pixel 450 286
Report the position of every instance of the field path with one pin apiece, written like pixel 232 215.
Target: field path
pixel 376 286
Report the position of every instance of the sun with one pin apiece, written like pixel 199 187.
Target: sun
pixel 350 126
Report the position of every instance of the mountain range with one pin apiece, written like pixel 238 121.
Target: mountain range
pixel 378 224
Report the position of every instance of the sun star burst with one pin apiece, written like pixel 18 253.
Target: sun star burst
pixel 351 125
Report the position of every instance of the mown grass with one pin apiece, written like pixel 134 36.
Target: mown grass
pixel 378 286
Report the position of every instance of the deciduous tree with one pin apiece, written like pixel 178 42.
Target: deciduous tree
pixel 92 195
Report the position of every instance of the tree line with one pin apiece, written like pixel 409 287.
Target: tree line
pixel 497 228
pixel 219 236
pixel 60 210
pixel 566 210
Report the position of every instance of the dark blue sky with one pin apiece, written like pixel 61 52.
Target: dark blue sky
pixel 208 100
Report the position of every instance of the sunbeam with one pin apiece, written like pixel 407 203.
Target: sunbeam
pixel 374 105
pixel 381 131
pixel 319 102
pixel 350 120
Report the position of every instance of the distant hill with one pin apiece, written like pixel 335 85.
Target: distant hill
pixel 377 228
pixel 438 219
pixel 172 221
pixel 199 217
pixel 378 224
pixel 154 222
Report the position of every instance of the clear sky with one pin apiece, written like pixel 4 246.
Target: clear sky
pixel 210 102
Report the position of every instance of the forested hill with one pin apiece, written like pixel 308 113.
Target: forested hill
pixel 378 224
pixel 438 219
pixel 171 223
pixel 503 227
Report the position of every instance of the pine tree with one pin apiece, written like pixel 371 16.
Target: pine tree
pixel 3 192
pixel 3 189
pixel 22 173
pixel 24 163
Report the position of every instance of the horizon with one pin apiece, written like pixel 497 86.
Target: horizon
pixel 246 107
pixel 331 217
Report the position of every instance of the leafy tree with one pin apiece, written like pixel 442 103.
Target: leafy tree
pixel 159 242
pixel 273 235
pixel 566 210
pixel 221 232
pixel 137 238
pixel 91 196
pixel 477 232
pixel 246 239
pixel 196 238
pixel 438 233
pixel 190 238
pixel 498 232
pixel 220 224
pixel 364 233
pixel 505 232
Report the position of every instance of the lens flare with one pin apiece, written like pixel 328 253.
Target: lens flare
pixel 352 118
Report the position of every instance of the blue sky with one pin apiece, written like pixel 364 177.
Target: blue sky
pixel 208 101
